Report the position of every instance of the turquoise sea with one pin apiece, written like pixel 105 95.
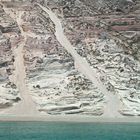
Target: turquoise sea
pixel 69 131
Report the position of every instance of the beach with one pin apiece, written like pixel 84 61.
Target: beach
pixel 70 118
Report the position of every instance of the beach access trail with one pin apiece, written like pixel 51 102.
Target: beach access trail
pixel 112 100
pixel 26 106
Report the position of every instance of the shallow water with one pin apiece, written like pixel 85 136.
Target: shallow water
pixel 68 131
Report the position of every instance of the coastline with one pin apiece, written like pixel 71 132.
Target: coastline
pixel 26 110
pixel 72 118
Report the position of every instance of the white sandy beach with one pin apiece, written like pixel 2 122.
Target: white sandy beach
pixel 69 118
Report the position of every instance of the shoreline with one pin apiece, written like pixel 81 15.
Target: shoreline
pixel 74 119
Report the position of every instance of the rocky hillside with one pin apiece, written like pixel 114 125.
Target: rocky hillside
pixel 8 90
pixel 78 56
pixel 106 33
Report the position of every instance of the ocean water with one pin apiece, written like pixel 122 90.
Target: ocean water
pixel 68 131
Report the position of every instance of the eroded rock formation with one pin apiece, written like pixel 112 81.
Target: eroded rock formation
pixel 104 36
